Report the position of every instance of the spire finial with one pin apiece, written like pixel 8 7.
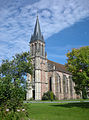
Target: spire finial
pixel 37 14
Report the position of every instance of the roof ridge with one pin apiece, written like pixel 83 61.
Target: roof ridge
pixel 55 62
pixel 59 67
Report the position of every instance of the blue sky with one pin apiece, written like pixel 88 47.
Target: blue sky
pixel 64 24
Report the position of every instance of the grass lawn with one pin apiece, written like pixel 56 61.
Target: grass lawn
pixel 59 111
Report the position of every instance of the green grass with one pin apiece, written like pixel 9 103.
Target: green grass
pixel 59 111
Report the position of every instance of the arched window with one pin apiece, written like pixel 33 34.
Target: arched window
pixel 42 50
pixel 60 83
pixel 64 84
pixel 35 47
pixel 32 49
pixel 57 85
pixel 39 47
pixel 67 85
pixel 70 80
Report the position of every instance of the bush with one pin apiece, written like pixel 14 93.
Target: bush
pixel 21 113
pixel 84 93
pixel 45 97
pixel 13 85
pixel 31 99
pixel 48 96
pixel 11 96
pixel 51 96
pixel 11 115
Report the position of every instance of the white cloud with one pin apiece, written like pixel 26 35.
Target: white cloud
pixel 61 52
pixel 17 20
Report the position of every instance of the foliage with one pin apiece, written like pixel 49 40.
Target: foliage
pixel 12 81
pixel 20 114
pixel 18 67
pixel 48 96
pixel 11 96
pixel 31 99
pixel 78 65
pixel 51 96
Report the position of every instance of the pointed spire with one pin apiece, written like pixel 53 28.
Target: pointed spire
pixel 37 32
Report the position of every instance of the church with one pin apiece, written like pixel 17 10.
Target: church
pixel 47 75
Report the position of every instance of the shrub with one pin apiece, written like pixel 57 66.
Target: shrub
pixel 11 115
pixel 51 96
pixel 45 97
pixel 31 99
pixel 84 93
pixel 11 96
pixel 21 113
pixel 13 85
pixel 48 96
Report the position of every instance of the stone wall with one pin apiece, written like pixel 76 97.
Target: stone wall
pixel 62 87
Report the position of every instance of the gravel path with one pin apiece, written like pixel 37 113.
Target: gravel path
pixel 55 101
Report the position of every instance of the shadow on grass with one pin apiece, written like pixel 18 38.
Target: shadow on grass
pixel 70 105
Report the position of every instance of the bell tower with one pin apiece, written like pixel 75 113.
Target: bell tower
pixel 39 60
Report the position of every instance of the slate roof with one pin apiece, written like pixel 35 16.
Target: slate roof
pixel 37 33
pixel 58 67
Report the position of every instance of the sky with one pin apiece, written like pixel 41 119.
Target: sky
pixel 64 25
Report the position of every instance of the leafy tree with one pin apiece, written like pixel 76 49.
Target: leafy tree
pixel 78 65
pixel 16 68
pixel 12 81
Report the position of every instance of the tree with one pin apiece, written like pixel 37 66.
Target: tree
pixel 12 80
pixel 78 65
pixel 17 67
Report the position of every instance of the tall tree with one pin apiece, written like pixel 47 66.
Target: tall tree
pixel 78 65
pixel 17 67
pixel 13 80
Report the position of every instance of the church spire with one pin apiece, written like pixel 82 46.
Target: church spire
pixel 37 32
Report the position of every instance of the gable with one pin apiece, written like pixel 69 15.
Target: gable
pixel 58 67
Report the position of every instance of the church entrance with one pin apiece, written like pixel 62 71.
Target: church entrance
pixel 34 94
pixel 50 84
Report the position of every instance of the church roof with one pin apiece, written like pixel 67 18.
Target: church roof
pixel 37 33
pixel 58 67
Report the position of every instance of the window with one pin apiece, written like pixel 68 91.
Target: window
pixel 70 79
pixel 60 83
pixel 42 50
pixel 32 49
pixel 35 47
pixel 39 47
pixel 64 84
pixel 67 85
pixel 57 85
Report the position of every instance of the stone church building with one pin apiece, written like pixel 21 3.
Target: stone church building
pixel 47 75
